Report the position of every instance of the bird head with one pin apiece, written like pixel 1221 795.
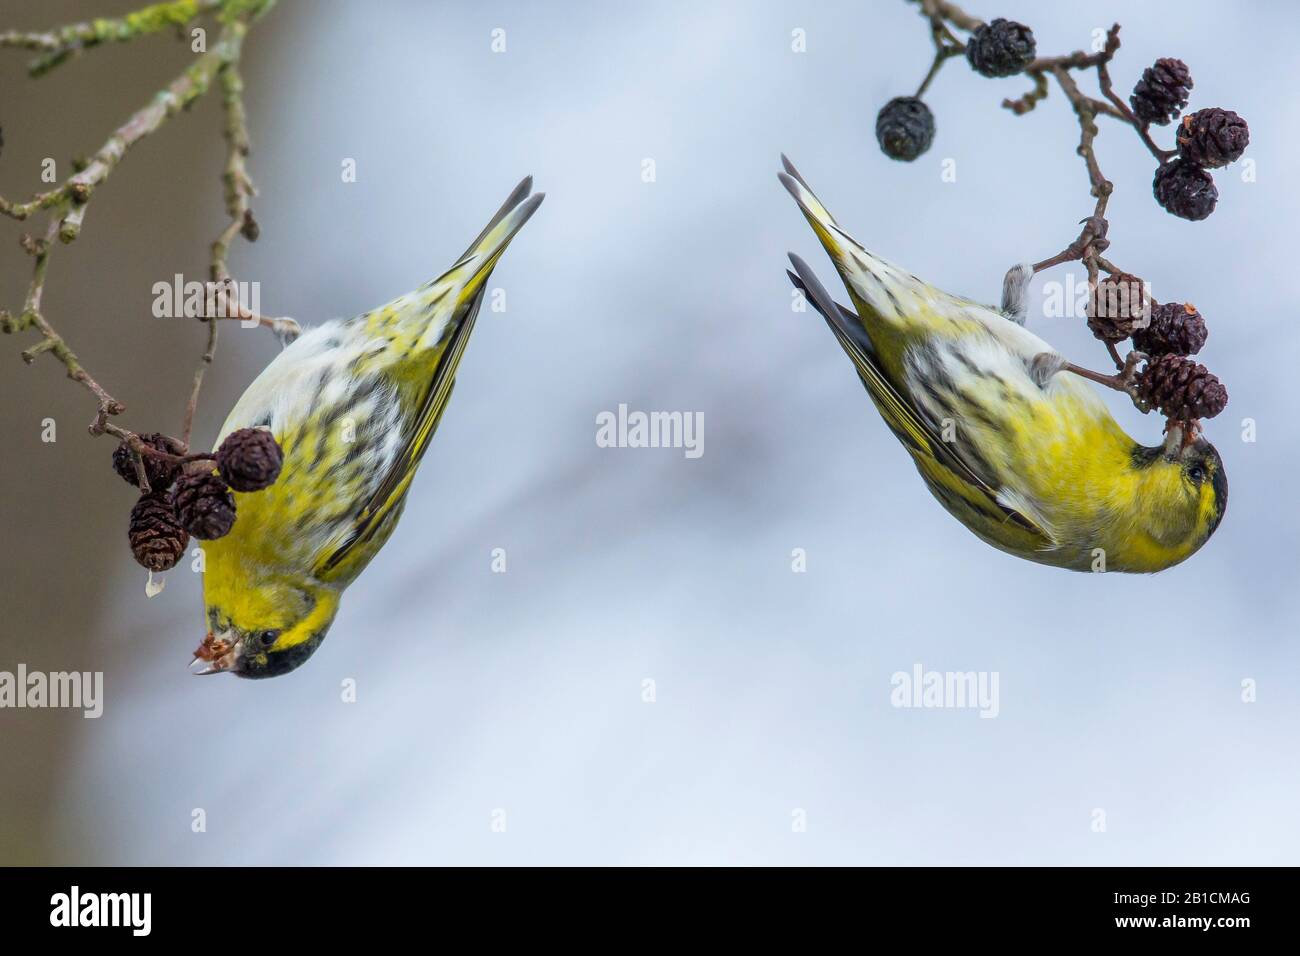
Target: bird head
pixel 265 630
pixel 1185 490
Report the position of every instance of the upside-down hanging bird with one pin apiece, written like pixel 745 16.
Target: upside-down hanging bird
pixel 353 405
pixel 1015 446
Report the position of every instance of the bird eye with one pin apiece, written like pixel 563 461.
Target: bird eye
pixel 1195 473
pixel 267 638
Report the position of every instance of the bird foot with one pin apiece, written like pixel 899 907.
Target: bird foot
pixel 1045 365
pixel 1015 292
pixel 1091 241
pixel 1126 380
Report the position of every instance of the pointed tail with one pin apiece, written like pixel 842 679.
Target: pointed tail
pixel 878 288
pixel 477 263
pixel 462 286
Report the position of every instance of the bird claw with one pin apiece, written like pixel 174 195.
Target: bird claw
pixel 1128 374
pixel 1096 228
pixel 1092 240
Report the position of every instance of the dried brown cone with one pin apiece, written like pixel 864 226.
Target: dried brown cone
pixel 1183 390
pixel 1185 190
pixel 157 538
pixel 204 504
pixel 160 473
pixel 1118 306
pixel 1162 92
pixel 249 459
pixel 1212 138
pixel 1176 329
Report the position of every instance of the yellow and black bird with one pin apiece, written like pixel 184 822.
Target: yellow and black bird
pixel 1022 452
pixel 353 404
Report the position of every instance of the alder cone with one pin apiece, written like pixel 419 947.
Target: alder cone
pixel 1183 390
pixel 160 473
pixel 1176 329
pixel 204 504
pixel 249 459
pixel 904 128
pixel 157 538
pixel 1162 92
pixel 1000 48
pixel 1185 190
pixel 1212 138
pixel 1118 307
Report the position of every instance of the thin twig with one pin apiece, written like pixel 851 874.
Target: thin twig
pixel 1092 239
pixel 946 45
pixel 67 202
pixel 238 188
pixel 1023 104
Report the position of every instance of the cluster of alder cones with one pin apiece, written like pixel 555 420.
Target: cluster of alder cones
pixel 1183 186
pixel 191 497
pixel 1166 333
pixel 1119 308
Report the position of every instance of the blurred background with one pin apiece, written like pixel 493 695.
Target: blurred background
pixel 518 698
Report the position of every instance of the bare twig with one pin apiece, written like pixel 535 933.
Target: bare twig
pixel 238 189
pixel 51 341
pixel 1023 104
pixel 945 45
pixel 1092 239
pixel 67 203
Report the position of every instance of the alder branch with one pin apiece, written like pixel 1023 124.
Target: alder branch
pixel 1206 139
pixel 67 203
pixel 1091 240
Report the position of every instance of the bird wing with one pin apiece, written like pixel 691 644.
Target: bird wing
pixel 953 477
pixel 460 290
pixel 389 494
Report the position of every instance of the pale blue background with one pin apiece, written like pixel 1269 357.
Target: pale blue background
pixel 522 691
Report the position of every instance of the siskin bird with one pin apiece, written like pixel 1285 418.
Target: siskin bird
pixel 353 404
pixel 1033 463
